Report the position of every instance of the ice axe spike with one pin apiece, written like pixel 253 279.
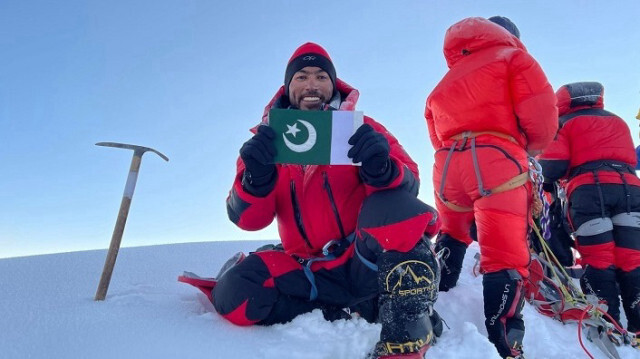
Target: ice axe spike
pixel 116 238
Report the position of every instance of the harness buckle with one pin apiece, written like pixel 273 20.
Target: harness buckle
pixel 336 247
pixel 300 260
pixel 330 247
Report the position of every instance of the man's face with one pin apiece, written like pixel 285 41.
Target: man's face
pixel 310 88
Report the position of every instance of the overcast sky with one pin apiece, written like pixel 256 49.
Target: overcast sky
pixel 189 78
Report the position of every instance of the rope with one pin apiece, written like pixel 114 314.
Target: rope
pixel 584 312
pixel 595 312
pixel 557 266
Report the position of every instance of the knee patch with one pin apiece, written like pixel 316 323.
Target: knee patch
pixel 627 219
pixel 395 218
pixel 594 227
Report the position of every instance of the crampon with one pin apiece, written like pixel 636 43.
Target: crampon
pixel 553 292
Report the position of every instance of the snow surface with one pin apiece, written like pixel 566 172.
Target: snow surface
pixel 47 311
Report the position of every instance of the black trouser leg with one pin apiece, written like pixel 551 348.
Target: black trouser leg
pixel 602 284
pixel 630 291
pixel 242 297
pixel 451 262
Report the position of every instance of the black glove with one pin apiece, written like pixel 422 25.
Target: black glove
pixel 258 154
pixel 372 149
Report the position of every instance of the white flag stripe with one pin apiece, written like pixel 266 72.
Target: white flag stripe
pixel 343 125
pixel 358 120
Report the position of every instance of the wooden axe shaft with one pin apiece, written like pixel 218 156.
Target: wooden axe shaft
pixel 123 213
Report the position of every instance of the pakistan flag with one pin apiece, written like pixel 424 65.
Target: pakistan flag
pixel 313 137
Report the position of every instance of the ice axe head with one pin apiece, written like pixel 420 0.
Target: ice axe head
pixel 137 150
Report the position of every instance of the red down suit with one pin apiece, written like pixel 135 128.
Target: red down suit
pixel 594 153
pixel 320 206
pixel 320 192
pixel 492 106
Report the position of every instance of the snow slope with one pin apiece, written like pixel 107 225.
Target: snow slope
pixel 47 311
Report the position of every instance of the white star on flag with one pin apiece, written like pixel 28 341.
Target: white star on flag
pixel 293 129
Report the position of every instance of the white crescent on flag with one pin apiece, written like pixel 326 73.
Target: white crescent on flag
pixel 306 145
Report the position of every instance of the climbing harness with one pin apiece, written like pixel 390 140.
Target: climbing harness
pixel 332 250
pixel 512 183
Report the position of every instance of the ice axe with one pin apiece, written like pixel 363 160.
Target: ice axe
pixel 116 238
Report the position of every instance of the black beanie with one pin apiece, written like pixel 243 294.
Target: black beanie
pixel 309 54
pixel 507 24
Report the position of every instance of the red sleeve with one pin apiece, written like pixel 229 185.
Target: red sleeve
pixel 534 101
pixel 437 144
pixel 249 212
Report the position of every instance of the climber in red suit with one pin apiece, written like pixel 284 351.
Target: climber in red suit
pixel 594 152
pixel 492 108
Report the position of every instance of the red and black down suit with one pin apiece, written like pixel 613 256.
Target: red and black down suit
pixel 376 229
pixel 492 106
pixel 594 152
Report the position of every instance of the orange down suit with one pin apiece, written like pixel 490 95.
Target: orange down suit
pixel 492 107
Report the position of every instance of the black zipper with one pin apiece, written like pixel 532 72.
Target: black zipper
pixel 327 186
pixel 298 215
